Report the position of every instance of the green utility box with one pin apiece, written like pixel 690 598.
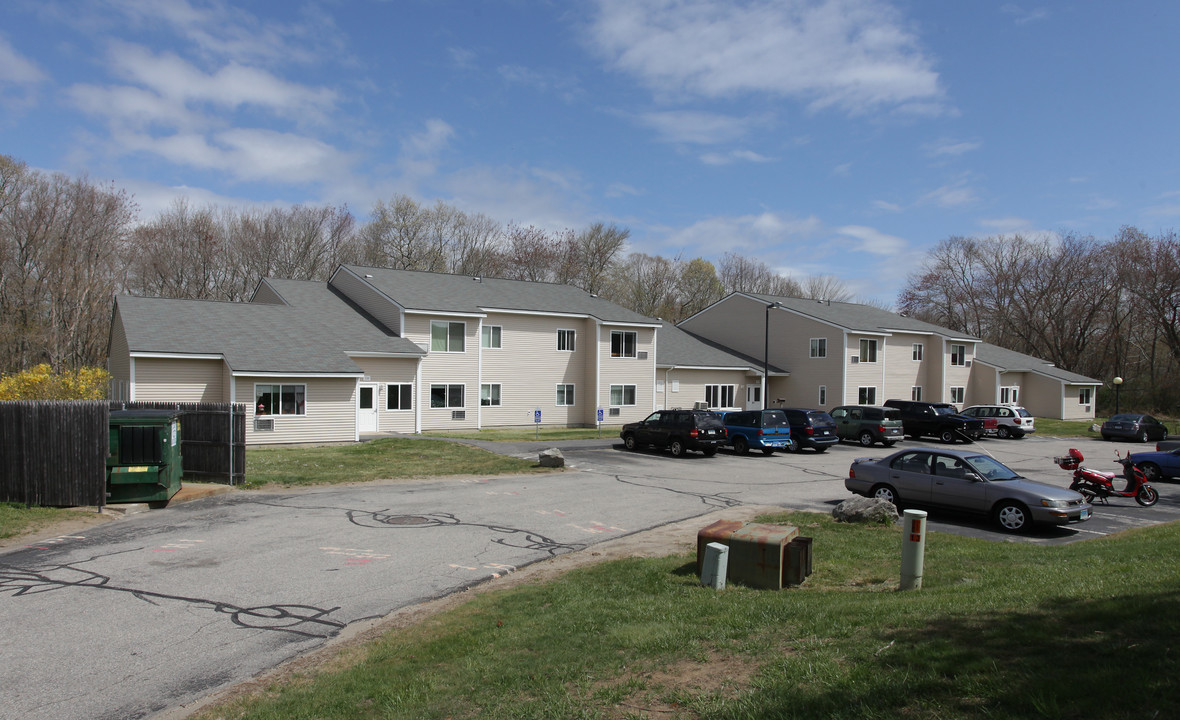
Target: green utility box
pixel 144 462
pixel 762 556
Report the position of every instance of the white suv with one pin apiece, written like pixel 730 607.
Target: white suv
pixel 1011 421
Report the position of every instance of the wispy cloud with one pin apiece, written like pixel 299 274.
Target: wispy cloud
pixel 19 77
pixel 874 241
pixel 951 147
pixel 1022 15
pixel 701 128
pixel 954 194
pixel 856 55
pixel 734 156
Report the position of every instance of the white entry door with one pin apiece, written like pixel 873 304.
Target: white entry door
pixel 366 408
pixel 753 397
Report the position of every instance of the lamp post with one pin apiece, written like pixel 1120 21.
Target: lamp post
pixel 1118 383
pixel 766 355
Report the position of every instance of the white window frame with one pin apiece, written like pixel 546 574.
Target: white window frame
pixel 917 349
pixel 393 391
pixel 717 394
pixel 1010 395
pixel 868 350
pixel 822 395
pixel 622 395
pixel 448 388
pixel 449 324
pixel 566 339
pixel 959 355
pixel 1085 395
pixel 916 393
pixel 819 348
pixel 623 336
pixel 491 337
pixel 566 395
pixel 300 410
pixel 866 395
pixel 493 395
pixel 958 394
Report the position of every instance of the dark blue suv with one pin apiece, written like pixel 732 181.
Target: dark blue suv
pixel 767 430
pixel 812 428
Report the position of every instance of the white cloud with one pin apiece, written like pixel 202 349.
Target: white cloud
pixel 1022 15
pixel 762 235
pixel 1007 225
pixel 857 55
pixel 952 195
pixel 620 189
pixel 874 241
pixel 887 206
pixel 524 195
pixel 702 128
pixel 734 156
pixel 17 69
pixel 952 147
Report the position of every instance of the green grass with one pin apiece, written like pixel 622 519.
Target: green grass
pixel 382 459
pixel 999 630
pixel 16 519
pixel 523 434
pixel 1048 427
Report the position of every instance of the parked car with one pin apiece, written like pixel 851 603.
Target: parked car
pixel 767 429
pixel 676 430
pixel 940 420
pixel 1163 445
pixel 1134 426
pixel 967 481
pixel 1158 465
pixel 868 424
pixel 813 429
pixel 1012 421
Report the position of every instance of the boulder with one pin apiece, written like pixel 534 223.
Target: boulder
pixel 552 458
pixel 865 510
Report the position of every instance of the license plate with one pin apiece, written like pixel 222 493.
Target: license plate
pixel 774 443
pixel 826 432
pixel 1085 515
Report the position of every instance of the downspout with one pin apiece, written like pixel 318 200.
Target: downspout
pixel 131 380
pixel 598 367
pixel 479 374
pixel 844 370
pixel 655 338
pixel 418 396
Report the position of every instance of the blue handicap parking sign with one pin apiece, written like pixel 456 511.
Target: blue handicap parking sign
pixel 536 416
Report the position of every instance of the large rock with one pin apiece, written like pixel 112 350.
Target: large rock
pixel 552 458
pixel 865 510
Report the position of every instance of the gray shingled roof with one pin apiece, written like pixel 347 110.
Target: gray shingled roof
pixel 859 318
pixel 680 348
pixel 415 290
pixel 1012 361
pixel 312 334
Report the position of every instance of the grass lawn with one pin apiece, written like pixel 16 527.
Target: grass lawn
pixel 999 630
pixel 523 434
pixel 16 519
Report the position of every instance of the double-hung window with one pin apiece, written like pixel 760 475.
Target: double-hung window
pixel 719 396
pixel 490 336
pixel 868 350
pixel 917 348
pixel 399 396
pixel 280 399
pixel 867 396
pixel 565 340
pixel 622 394
pixel 565 394
pixel 822 397
pixel 446 396
pixel 958 394
pixel 959 355
pixel 489 394
pixel 819 347
pixel 1084 396
pixel 916 393
pixel 447 336
pixel 622 343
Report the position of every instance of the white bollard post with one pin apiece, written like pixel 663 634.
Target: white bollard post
pixel 715 565
pixel 913 548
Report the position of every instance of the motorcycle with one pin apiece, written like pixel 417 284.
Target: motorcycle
pixel 1096 485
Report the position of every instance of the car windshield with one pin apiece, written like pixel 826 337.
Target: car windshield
pixel 819 418
pixel 944 411
pixel 774 418
pixel 991 469
pixel 1125 418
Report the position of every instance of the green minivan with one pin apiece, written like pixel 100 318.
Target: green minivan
pixel 868 424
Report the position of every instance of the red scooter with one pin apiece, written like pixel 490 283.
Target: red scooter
pixel 1095 485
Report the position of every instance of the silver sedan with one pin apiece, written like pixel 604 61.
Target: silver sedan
pixel 965 480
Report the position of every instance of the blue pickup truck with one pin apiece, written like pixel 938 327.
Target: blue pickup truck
pixel 767 430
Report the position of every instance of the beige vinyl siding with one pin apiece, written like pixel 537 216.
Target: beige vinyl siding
pixel 790 349
pixel 984 383
pixel 447 368
pixel 865 374
pixel 370 300
pixel 1073 410
pixel 528 367
pixel 119 362
pixel 179 380
pixel 267 295
pixel 627 371
pixel 385 371
pixel 957 375
pixel 902 372
pixel 330 411
pixel 736 323
pixel 692 386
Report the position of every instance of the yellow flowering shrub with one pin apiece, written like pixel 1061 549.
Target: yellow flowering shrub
pixel 42 383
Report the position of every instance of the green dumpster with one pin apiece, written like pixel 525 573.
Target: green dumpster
pixel 144 462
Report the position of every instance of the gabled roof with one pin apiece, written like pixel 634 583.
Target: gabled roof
pixel 677 347
pixel 1007 360
pixel 856 317
pixel 312 333
pixel 438 292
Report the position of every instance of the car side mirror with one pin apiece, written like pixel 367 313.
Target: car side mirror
pixel 973 477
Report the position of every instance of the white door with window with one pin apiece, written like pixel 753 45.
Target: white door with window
pixel 366 408
pixel 753 397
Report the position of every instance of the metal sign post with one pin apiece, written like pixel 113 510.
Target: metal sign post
pixel 537 424
pixel 599 422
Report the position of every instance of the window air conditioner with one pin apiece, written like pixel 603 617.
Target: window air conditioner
pixel 264 424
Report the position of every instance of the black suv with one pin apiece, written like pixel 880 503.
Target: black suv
pixel 940 420
pixel 813 429
pixel 677 430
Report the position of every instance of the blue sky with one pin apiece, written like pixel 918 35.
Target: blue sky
pixel 842 137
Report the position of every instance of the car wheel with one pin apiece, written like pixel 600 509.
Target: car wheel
pixel 1147 496
pixel 888 443
pixel 1144 437
pixel 820 448
pixel 1003 432
pixel 947 436
pixel 710 452
pixel 1105 437
pixel 1151 471
pixel 677 448
pixel 629 442
pixel 866 438
pixel 886 493
pixel 1012 516
pixel 740 446
pixel 767 451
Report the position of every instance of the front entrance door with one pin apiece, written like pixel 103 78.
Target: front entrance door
pixel 366 408
pixel 753 397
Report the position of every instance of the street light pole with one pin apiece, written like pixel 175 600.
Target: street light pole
pixel 1118 383
pixel 766 355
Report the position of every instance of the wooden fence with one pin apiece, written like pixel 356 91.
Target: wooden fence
pixel 53 453
pixel 207 432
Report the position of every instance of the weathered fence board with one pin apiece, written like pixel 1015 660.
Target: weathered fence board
pixel 53 453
